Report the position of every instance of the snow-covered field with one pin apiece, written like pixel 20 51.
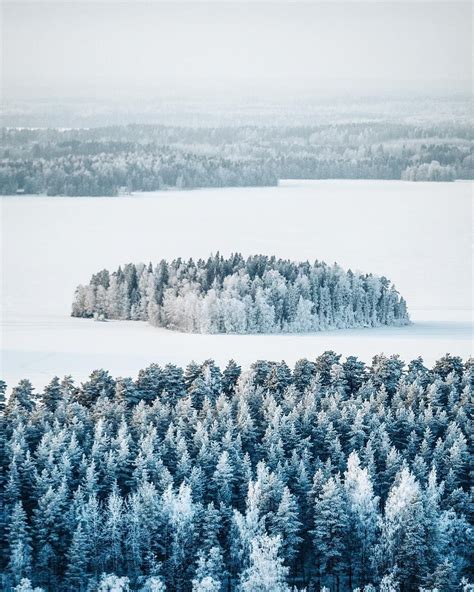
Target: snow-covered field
pixel 418 234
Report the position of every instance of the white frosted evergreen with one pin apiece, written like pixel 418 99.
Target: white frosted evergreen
pixel 257 295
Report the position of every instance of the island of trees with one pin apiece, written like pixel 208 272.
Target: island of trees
pixel 332 476
pixel 120 159
pixel 259 294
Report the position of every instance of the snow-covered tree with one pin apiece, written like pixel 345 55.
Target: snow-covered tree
pixel 363 516
pixel 19 545
pixel 403 542
pixel 359 472
pixel 113 583
pixel 266 572
pixel 257 295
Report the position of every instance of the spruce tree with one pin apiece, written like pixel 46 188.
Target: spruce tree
pixel 330 530
pixel 77 572
pixel 19 545
pixel 266 572
pixel 287 525
pixel 230 376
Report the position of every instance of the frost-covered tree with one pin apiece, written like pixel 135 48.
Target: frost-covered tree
pixel 266 572
pixel 25 586
pixel 330 534
pixel 113 583
pixel 178 511
pixel 286 525
pixel 363 517
pixel 210 572
pixel 78 560
pixel 19 545
pixel 257 295
pixel 360 472
pixel 403 542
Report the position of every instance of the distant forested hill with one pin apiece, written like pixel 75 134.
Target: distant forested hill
pixel 259 294
pixel 111 160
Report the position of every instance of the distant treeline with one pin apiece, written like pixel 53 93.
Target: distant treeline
pixel 256 295
pixel 111 160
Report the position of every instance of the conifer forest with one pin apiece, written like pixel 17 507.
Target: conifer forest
pixel 259 294
pixel 333 475
pixel 122 159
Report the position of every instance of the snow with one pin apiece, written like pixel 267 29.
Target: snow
pixel 418 234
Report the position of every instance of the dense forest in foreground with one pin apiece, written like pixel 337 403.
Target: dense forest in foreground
pixel 123 159
pixel 334 475
pixel 259 294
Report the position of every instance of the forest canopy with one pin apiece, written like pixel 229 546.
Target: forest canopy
pixel 334 473
pixel 259 294
pixel 122 159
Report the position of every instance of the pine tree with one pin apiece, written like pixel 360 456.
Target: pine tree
pixel 199 391
pixel 150 382
pixel 303 374
pixel 25 586
pixel 192 372
pixel 19 545
pixel 287 525
pixel 49 521
pixel 113 583
pixel 92 525
pixel 126 391
pixel 22 396
pixel 354 372
pixel 210 572
pixel 52 394
pixel 223 479
pixel 403 543
pixel 178 511
pixel 266 572
pixel 230 377
pixel 77 572
pixel 100 384
pixel 114 532
pixel 363 516
pixel 153 584
pixel 330 530
pixel 389 583
pixel 173 383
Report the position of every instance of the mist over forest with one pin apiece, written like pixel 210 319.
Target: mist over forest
pixel 258 144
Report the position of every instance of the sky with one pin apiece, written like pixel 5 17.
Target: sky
pixel 74 49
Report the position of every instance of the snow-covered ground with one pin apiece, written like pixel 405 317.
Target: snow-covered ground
pixel 418 234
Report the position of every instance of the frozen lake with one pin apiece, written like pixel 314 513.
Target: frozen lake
pixel 418 234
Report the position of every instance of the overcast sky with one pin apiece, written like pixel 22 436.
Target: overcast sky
pixel 108 49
